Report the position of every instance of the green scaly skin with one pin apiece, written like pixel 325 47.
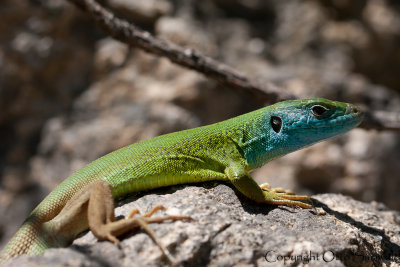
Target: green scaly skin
pixel 224 151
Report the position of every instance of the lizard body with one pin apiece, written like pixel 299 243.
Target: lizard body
pixel 224 151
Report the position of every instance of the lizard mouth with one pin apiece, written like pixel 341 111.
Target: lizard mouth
pixel 352 114
pixel 353 110
pixel 351 117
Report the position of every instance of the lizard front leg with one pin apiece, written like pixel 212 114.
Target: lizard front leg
pixel 241 179
pixel 93 207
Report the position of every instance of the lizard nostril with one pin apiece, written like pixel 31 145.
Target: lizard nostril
pixel 355 110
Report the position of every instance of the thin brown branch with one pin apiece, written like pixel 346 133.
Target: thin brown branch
pixel 128 33
pixel 381 120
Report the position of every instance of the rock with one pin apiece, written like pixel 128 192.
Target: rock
pixel 143 12
pixel 230 230
pixel 179 30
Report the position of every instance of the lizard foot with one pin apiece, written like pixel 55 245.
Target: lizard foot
pixel 292 200
pixel 113 229
pixel 267 187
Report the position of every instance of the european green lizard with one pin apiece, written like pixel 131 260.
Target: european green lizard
pixel 224 151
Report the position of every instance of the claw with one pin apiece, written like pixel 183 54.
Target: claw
pixel 154 210
pixel 267 187
pixel 133 213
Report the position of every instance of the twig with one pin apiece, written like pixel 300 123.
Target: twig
pixel 127 33
pixel 381 120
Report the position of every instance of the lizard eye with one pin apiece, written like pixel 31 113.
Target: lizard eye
pixel 319 110
pixel 276 123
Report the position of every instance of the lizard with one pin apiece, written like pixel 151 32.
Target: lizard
pixel 223 151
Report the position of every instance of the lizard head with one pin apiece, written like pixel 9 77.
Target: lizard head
pixel 305 122
pixel 291 125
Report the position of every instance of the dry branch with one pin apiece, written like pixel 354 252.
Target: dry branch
pixel 128 33
pixel 381 120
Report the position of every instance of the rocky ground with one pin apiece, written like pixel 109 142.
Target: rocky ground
pixel 69 94
pixel 228 230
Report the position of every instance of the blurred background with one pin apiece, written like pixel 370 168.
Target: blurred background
pixel 70 94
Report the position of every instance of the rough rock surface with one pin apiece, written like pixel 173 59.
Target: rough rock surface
pixel 230 230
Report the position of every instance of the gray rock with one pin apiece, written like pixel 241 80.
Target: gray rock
pixel 231 230
pixel 141 11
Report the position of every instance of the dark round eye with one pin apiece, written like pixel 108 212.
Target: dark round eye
pixel 276 123
pixel 319 110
